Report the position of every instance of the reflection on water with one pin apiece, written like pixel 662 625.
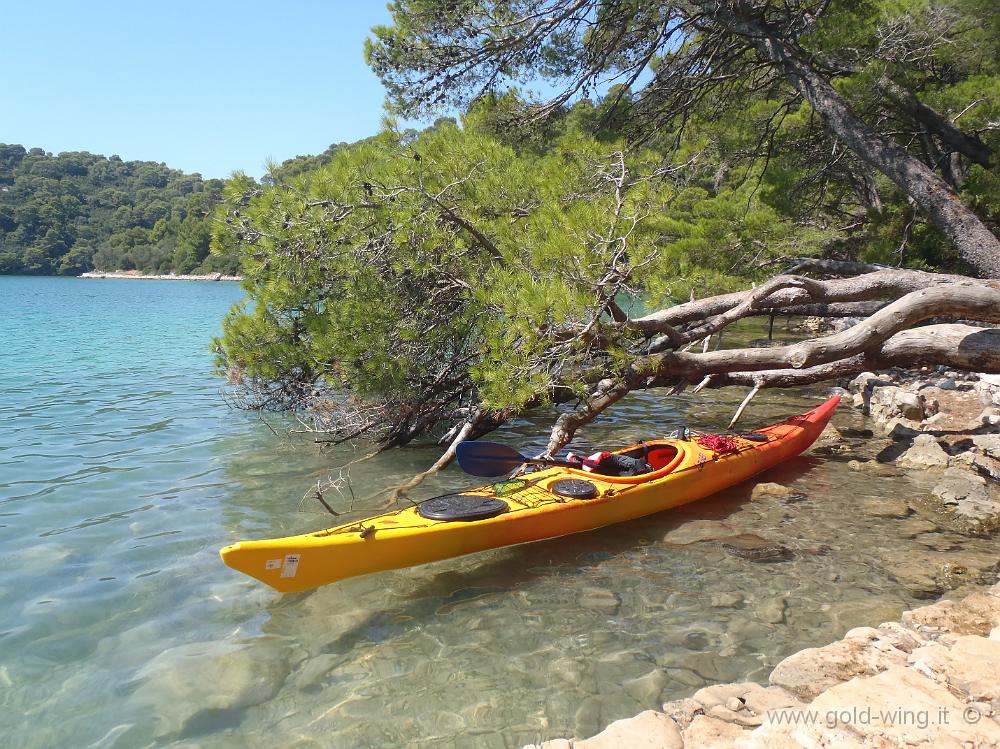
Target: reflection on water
pixel 123 474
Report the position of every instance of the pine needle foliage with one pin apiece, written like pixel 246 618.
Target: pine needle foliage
pixel 416 277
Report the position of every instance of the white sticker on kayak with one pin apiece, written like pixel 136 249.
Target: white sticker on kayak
pixel 291 565
pixel 273 564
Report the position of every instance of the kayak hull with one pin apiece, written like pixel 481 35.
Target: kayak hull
pixel 403 538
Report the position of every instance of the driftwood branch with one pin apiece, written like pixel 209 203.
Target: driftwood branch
pixel 886 338
pixel 607 394
pixel 954 345
pixel 956 301
pixel 466 431
pixel 746 402
pixel 783 293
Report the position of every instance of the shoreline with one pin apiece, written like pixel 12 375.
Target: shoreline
pixel 929 679
pixel 135 275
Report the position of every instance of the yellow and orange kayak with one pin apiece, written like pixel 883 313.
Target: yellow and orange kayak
pixel 543 504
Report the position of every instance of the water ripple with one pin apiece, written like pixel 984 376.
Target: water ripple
pixel 122 474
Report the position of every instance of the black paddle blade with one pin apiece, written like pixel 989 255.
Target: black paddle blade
pixel 487 458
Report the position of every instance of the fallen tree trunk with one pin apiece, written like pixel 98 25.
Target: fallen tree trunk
pixel 886 338
pixel 953 345
pixel 789 291
pixel 953 300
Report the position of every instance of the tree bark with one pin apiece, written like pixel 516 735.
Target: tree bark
pixel 961 142
pixel 953 300
pixel 952 345
pixel 882 284
pixel 880 341
pixel 976 244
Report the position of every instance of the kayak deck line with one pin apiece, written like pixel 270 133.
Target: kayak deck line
pixel 528 507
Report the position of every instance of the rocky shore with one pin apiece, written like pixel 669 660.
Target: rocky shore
pixel 931 679
pixel 940 422
pixel 130 274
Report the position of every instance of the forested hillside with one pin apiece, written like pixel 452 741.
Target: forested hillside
pixel 72 212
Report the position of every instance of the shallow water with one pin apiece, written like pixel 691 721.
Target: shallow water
pixel 123 472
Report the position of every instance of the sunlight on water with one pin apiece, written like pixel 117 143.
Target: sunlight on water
pixel 123 472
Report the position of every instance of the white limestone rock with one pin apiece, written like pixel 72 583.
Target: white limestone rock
pixel 924 453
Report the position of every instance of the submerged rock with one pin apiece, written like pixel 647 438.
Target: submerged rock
pixel 763 490
pixel 570 670
pixel 601 599
pixel 695 640
pixel 885 508
pixel 646 689
pixel 829 437
pixel 938 670
pixel 939 541
pixel 189 684
pixel 926 573
pixel 873 467
pixel 915 526
pixel 694 531
pixel 756 548
pixel 726 601
pixel 967 494
pixel 847 615
pixel 774 611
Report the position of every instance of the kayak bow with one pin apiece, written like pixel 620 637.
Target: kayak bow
pixel 548 503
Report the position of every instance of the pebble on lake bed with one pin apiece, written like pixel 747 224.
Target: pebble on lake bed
pixel 873 467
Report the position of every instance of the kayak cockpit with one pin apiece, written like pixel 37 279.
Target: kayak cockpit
pixel 657 455
pixel 663 457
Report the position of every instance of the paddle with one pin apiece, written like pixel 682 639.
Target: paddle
pixel 492 459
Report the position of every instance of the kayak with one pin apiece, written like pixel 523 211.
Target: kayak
pixel 542 504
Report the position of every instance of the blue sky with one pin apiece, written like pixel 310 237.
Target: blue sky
pixel 210 87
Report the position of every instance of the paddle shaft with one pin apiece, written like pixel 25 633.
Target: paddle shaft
pixel 559 463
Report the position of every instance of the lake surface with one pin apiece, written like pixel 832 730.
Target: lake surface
pixel 122 472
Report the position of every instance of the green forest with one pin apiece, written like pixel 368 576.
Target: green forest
pixel 482 265
pixel 73 212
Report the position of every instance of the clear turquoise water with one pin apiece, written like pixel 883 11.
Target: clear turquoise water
pixel 122 472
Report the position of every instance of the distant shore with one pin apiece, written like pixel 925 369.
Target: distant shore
pixel 134 274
